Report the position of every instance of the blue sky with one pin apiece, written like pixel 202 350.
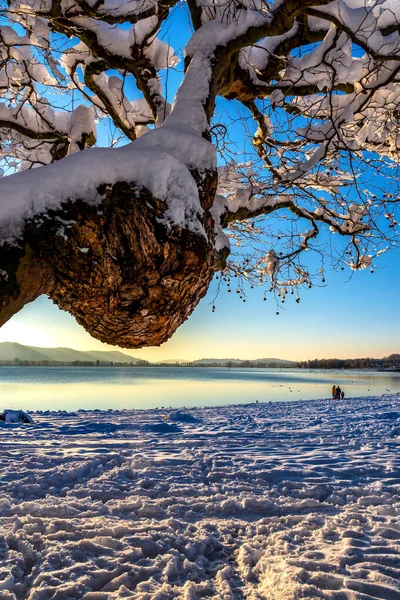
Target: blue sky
pixel 346 318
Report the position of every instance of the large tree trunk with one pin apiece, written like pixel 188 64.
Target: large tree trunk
pixel 126 277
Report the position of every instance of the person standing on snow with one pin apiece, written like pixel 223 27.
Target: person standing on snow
pixel 334 392
pixel 338 392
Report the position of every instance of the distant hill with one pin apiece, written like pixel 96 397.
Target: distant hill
pixel 171 361
pixel 239 361
pixel 10 351
pixel 280 361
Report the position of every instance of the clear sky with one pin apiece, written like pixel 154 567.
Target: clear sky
pixel 355 318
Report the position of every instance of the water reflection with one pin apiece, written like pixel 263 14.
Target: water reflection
pixel 57 388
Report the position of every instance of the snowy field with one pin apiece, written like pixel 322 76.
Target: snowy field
pixel 276 501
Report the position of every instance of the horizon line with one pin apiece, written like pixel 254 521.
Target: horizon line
pixel 123 351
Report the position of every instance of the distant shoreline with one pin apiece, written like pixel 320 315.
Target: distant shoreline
pixel 87 364
pixel 15 354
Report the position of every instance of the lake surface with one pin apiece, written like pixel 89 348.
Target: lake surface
pixel 72 388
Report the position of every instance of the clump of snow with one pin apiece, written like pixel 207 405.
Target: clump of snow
pixel 271 262
pixel 81 123
pixel 363 262
pixel 179 416
pixel 15 416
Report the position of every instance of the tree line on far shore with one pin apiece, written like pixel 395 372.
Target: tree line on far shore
pixel 388 363
pixel 391 362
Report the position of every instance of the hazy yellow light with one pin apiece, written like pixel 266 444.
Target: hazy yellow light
pixel 27 334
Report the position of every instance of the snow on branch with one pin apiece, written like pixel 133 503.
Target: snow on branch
pixel 363 22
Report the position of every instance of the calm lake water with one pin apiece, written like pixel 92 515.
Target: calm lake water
pixel 71 388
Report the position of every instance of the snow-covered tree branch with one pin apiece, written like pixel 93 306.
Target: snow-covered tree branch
pixel 276 157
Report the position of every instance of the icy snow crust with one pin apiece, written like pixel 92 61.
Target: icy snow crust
pixel 276 501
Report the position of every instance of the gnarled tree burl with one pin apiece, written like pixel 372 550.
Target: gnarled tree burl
pixel 283 137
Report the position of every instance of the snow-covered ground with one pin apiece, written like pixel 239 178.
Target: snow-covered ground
pixel 259 501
